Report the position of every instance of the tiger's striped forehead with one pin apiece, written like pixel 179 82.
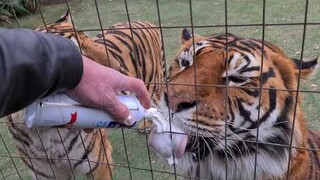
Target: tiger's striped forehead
pixel 238 62
pixel 245 64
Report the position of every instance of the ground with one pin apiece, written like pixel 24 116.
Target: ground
pixel 175 15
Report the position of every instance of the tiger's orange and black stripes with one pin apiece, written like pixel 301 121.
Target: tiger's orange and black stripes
pixel 56 153
pixel 61 153
pixel 135 50
pixel 235 113
pixel 141 55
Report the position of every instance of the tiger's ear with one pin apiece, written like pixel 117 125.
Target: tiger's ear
pixel 185 35
pixel 65 18
pixel 308 67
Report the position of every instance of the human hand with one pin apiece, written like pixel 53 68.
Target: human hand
pixel 99 86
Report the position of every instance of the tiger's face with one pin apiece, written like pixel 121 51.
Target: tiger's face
pixel 215 69
pixel 242 87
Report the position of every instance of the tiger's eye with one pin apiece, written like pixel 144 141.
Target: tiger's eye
pixel 237 79
pixel 185 63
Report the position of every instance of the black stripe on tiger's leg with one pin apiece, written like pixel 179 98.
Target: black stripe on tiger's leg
pixel 96 164
pixel 101 155
pixel 25 140
pixel 24 136
pixel 71 144
pixel 30 164
pixel 18 137
pixel 26 155
pixel 36 171
pixel 87 151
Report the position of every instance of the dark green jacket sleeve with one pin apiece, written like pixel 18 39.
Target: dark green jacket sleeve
pixel 33 65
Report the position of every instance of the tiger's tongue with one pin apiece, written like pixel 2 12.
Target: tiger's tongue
pixel 162 143
pixel 179 144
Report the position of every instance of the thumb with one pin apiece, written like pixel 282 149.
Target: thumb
pixel 118 110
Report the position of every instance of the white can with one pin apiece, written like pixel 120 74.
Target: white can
pixel 61 111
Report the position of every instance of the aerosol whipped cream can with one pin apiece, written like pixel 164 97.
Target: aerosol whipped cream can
pixel 59 110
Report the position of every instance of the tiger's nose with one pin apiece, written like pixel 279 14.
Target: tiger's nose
pixel 178 104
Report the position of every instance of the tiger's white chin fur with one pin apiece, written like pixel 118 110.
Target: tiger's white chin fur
pixel 213 167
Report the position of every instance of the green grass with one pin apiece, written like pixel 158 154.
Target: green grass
pixel 177 13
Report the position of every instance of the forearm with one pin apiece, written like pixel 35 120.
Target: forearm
pixel 33 65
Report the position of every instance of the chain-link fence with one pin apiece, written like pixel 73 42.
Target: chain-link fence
pixel 292 25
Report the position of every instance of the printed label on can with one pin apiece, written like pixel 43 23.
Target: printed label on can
pixel 111 124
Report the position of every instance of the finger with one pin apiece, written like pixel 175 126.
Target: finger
pixel 117 110
pixel 138 86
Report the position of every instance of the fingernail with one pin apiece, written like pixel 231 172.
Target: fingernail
pixel 129 120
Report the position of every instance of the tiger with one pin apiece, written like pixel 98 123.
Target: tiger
pixel 58 153
pixel 244 87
